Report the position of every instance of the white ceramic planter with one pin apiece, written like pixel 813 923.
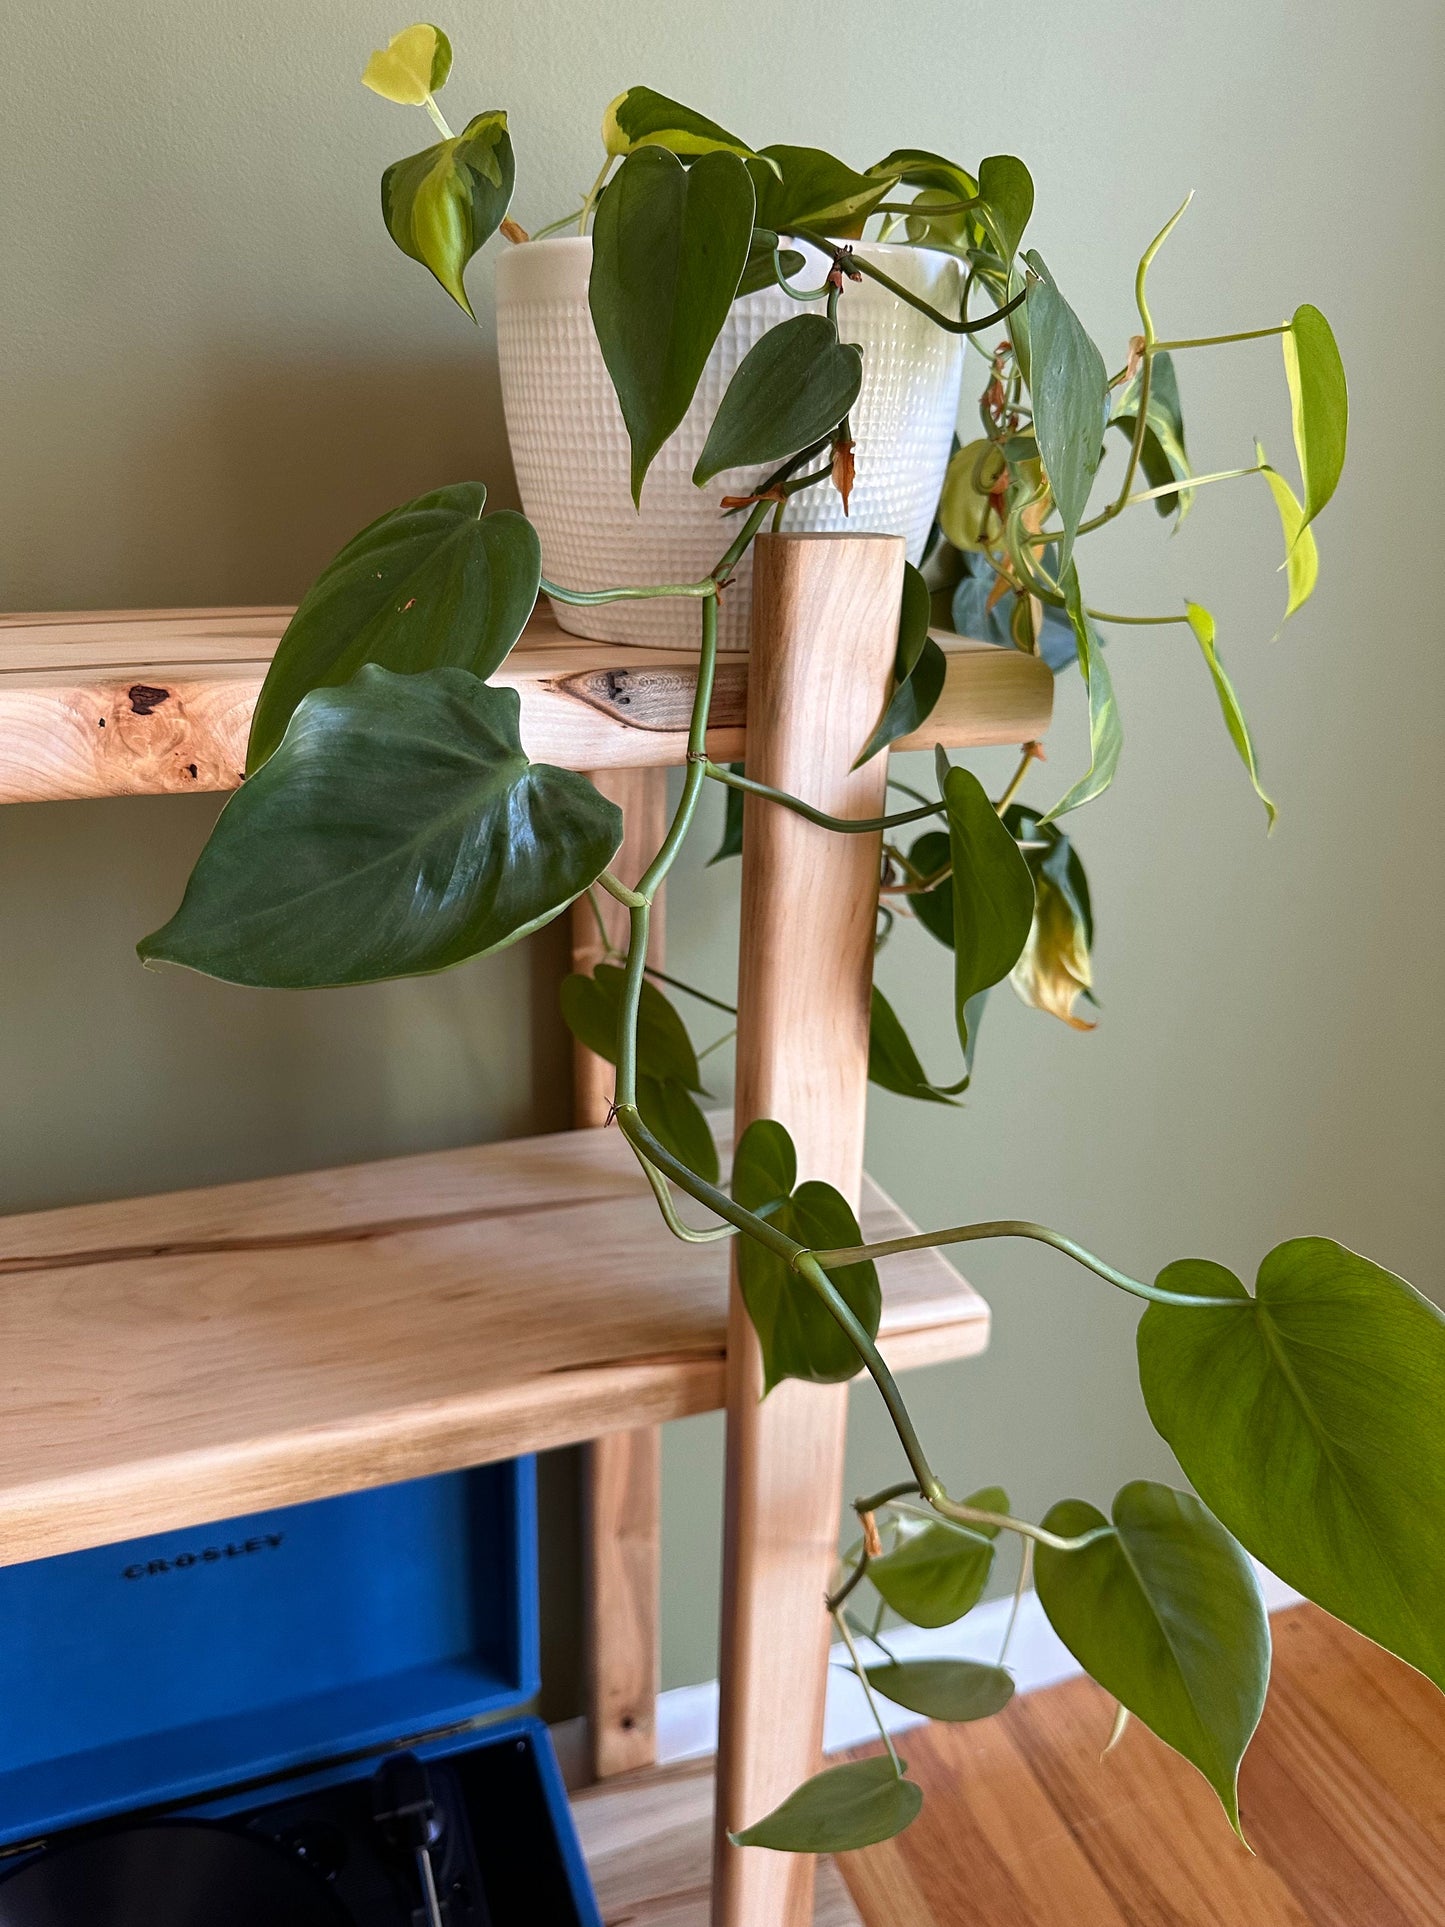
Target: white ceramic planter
pixel 570 446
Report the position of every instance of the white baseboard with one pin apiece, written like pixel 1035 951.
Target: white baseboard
pixel 687 1715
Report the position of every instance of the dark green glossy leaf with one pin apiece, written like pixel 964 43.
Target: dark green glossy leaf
pixel 839 1810
pixel 993 892
pixel 669 245
pixel 938 1572
pixel 1165 1613
pixel 892 1061
pixel 399 829
pixel 791 388
pixel 641 117
pixel 971 615
pixel 431 585
pixel 1106 732
pixel 920 669
pixel 670 1113
pixel 934 908
pixel 1163 456
pixel 1070 391
pixel 732 836
pixel 1006 195
pixel 944 1689
pixel 592 1007
pixel 1321 405
pixel 1202 625
pixel 1312 1422
pixel 1055 969
pixel 442 204
pixel 803 187
pixel 758 273
pixel 797 1333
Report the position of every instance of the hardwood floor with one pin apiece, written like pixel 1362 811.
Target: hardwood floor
pixel 1342 1795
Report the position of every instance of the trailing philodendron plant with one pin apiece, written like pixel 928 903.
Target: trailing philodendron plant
pixel 391 824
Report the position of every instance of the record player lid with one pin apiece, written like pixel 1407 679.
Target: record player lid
pixel 152 1672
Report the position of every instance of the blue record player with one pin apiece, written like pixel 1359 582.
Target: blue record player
pixel 288 1718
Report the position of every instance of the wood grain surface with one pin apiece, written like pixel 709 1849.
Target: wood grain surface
pixel 141 702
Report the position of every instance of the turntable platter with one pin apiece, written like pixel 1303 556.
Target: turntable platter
pixel 179 1874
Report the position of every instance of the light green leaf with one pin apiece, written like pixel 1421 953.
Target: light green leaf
pixel 967 507
pixel 920 669
pixel 1165 1613
pixel 797 1333
pixel 944 1689
pixel 803 187
pixel 1301 554
pixel 399 829
pixel 1312 1422
pixel 643 118
pixel 669 245
pixel 839 1810
pixel 414 66
pixel 442 204
pixel 1006 192
pixel 758 273
pixel 1202 624
pixel 1163 456
pixel 1106 732
pixel 431 585
pixel 938 1571
pixel 592 1008
pixel 1320 403
pixel 892 1061
pixel 993 893
pixel 1055 968
pixel 792 387
pixel 917 167
pixel 1070 391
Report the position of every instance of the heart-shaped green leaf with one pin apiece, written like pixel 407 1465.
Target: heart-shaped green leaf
pixel 1070 391
pixel 1312 1422
pixel 1055 968
pixel 1106 732
pixel 892 1061
pixel 920 669
pixel 431 585
pixel 839 1810
pixel 1165 1613
pixel 1162 456
pixel 944 1689
pixel 803 187
pixel 672 1115
pixel 798 1335
pixel 938 1571
pixel 993 892
pixel 442 204
pixel 1006 200
pixel 644 118
pixel 791 388
pixel 669 246
pixel 758 273
pixel 1321 405
pixel 398 830
pixel 1202 625
pixel 413 66
pixel 1301 553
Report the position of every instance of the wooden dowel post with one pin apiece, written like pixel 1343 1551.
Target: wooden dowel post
pixel 622 1547
pixel 825 622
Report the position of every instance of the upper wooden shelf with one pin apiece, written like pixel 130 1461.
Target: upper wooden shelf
pixel 158 701
pixel 169 1361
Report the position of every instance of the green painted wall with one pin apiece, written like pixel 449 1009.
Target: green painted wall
pixel 216 368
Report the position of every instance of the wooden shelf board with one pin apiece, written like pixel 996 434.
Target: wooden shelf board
pixel 174 1360
pixel 155 702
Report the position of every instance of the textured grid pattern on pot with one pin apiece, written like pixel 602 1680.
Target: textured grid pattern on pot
pixel 570 449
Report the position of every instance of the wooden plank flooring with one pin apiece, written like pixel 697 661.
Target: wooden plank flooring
pixel 1343 1798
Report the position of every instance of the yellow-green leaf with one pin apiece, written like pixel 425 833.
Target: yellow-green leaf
pixel 1202 623
pixel 1320 402
pixel 442 204
pixel 413 66
pixel 1301 553
pixel 967 499
pixel 643 118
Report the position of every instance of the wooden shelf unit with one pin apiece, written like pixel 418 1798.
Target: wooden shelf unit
pixel 159 701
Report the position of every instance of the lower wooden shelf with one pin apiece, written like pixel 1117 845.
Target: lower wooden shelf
pixel 172 1360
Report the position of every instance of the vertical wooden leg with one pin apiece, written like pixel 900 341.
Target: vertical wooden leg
pixel 825 623
pixel 623 1471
